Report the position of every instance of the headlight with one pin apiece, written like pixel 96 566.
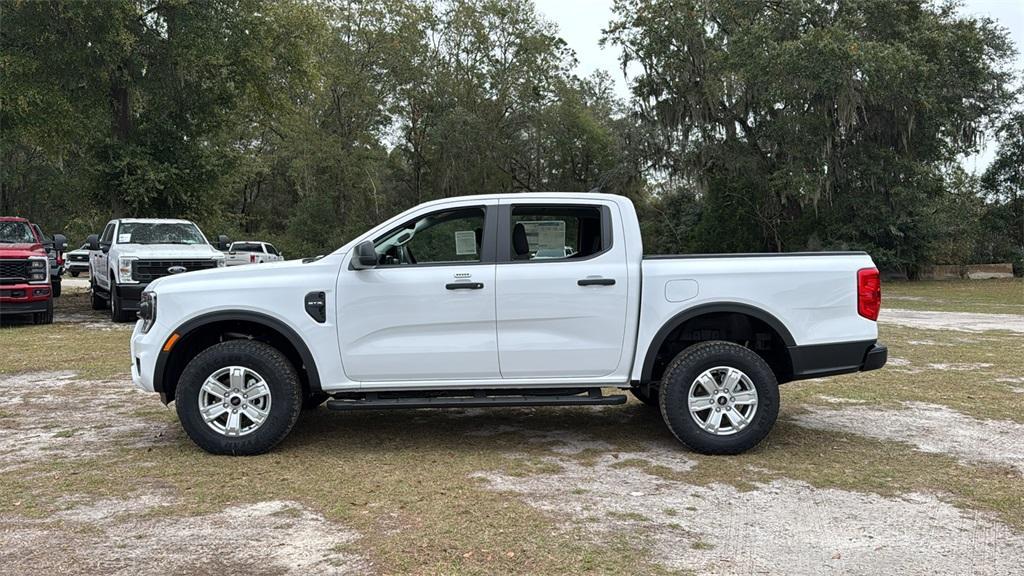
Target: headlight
pixel 147 310
pixel 38 270
pixel 124 269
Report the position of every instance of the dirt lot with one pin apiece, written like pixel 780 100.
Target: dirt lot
pixel 914 469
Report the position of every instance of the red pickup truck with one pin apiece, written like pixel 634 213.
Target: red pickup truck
pixel 25 271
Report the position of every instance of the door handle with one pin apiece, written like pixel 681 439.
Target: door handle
pixel 596 281
pixel 464 286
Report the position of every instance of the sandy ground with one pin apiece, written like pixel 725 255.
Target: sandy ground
pixel 140 537
pixel 962 321
pixel 783 527
pixel 47 415
pixel 929 428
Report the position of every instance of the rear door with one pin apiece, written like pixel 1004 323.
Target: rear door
pixel 562 290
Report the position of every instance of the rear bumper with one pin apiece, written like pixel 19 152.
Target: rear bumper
pixel 841 358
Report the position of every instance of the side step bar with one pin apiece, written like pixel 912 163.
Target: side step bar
pixel 475 399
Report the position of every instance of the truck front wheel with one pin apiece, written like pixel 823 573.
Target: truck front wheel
pixel 45 317
pixel 239 397
pixel 719 398
pixel 117 313
pixel 98 303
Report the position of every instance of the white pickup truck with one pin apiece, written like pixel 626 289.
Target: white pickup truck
pixel 132 252
pixel 448 305
pixel 252 252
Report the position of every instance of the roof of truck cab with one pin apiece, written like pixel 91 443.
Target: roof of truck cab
pixel 154 221
pixel 530 196
pixel 13 219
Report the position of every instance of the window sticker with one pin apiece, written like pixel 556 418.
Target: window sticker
pixel 545 235
pixel 465 242
pixel 124 238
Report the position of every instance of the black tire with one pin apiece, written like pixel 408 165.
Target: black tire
pixel 75 273
pixel 314 400
pixel 117 314
pixel 44 317
pixel 648 399
pixel 98 302
pixel 55 288
pixel 684 370
pixel 268 362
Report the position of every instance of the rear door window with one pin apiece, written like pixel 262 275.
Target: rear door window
pixel 557 232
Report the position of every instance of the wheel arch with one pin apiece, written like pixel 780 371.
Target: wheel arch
pixel 718 310
pixel 203 331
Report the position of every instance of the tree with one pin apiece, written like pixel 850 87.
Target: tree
pixel 799 118
pixel 1003 182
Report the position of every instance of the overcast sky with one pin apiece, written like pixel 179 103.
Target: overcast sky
pixel 581 22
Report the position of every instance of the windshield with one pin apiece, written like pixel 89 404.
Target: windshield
pixel 159 233
pixel 246 247
pixel 16 233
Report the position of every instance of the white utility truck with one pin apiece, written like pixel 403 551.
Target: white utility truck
pixel 132 252
pixel 447 305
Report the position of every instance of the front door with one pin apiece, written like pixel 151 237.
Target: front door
pixel 426 311
pixel 99 258
pixel 562 286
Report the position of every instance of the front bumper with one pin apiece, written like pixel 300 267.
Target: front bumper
pixel 76 266
pixel 131 295
pixel 24 298
pixel 821 360
pixel 144 350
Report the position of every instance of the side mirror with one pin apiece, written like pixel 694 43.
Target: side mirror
pixel 365 256
pixel 60 242
pixel 223 242
pixel 93 241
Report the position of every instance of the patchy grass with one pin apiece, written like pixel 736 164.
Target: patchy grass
pixel 405 483
pixel 83 345
pixel 1000 296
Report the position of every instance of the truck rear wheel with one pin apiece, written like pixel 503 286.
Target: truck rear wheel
pixel 719 398
pixel 239 397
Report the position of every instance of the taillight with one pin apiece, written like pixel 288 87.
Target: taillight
pixel 252 258
pixel 869 293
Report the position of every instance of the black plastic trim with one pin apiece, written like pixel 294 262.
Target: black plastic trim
pixel 464 285
pixel 875 358
pixel 691 313
pixel 818 360
pixel 30 307
pixel 474 399
pixel 185 329
pixel 316 306
pixel 595 282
